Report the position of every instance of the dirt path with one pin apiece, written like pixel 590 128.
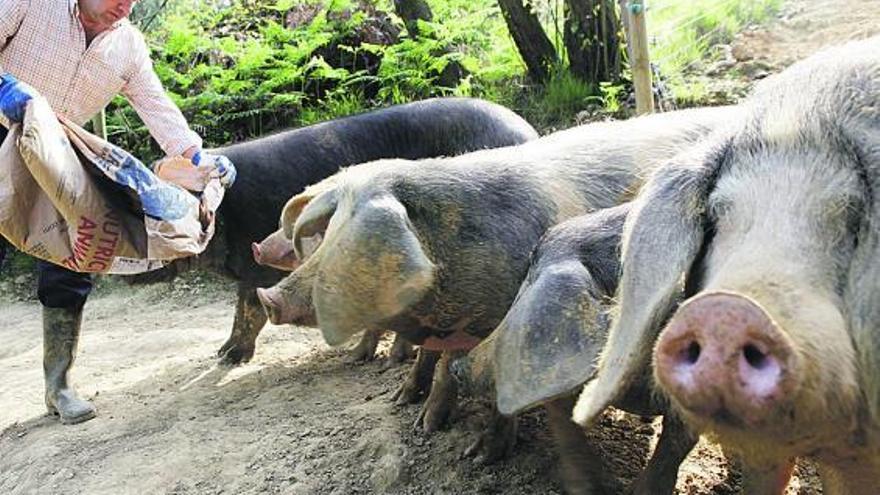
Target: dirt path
pixel 299 419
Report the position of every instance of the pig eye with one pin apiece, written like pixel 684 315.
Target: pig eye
pixel 844 215
pixel 719 208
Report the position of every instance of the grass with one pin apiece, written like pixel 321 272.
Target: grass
pixel 337 104
pixel 682 34
pixel 555 104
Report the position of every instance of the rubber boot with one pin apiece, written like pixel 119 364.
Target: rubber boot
pixel 60 337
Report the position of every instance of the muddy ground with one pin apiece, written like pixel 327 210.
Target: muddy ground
pixel 299 419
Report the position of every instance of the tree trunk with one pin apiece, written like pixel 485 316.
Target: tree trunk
pixel 592 40
pixel 623 6
pixel 413 11
pixel 531 41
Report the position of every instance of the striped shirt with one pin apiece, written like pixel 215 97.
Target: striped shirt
pixel 43 43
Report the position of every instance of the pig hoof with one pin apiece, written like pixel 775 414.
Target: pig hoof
pixel 390 363
pixel 494 444
pixel 418 381
pixel 365 351
pixel 401 351
pixel 233 353
pixel 443 397
pixel 360 355
pixel 438 408
pixel 433 416
pixel 409 392
pixel 486 450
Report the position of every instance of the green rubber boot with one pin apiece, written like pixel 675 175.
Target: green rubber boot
pixel 60 337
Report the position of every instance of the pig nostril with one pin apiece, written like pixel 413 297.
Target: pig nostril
pixel 692 353
pixel 756 359
pixel 760 373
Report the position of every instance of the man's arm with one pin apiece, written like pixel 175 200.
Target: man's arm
pixel 11 14
pixel 162 117
pixel 167 125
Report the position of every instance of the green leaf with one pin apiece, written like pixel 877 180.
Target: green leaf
pixel 283 5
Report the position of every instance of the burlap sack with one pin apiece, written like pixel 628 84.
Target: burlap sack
pixel 73 199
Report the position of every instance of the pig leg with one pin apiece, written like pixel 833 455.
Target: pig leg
pixel 401 350
pixel 856 476
pixel 767 479
pixel 580 463
pixel 249 320
pixel 366 348
pixel 497 440
pixel 443 397
pixel 418 381
pixel 661 473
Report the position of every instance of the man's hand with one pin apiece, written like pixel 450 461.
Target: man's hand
pixel 225 168
pixel 14 96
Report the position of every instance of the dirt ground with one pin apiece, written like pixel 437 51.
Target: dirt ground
pixel 299 419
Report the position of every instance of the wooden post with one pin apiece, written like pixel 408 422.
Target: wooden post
pixel 99 124
pixel 640 63
pixel 624 21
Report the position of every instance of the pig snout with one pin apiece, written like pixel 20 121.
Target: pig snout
pixel 273 304
pixel 256 250
pixel 474 371
pixel 275 251
pixel 723 358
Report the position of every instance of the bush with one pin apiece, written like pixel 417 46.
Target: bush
pixel 243 68
pixel 249 68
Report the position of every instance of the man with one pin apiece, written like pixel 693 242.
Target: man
pixel 79 54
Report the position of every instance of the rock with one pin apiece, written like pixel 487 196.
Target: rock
pixel 390 470
pixel 741 52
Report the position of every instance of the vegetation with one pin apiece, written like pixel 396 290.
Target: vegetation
pixel 253 67
pixel 683 34
pixel 241 68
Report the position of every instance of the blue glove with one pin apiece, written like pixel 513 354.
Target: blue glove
pixel 225 168
pixel 14 96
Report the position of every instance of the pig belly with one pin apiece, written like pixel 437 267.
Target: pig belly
pixel 458 341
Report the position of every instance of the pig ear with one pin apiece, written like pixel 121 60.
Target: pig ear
pixel 313 219
pixel 291 212
pixel 662 238
pixel 295 205
pixel 373 267
pixel 863 285
pixel 548 342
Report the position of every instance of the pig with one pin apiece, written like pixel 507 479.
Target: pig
pixel 557 323
pixel 436 250
pixel 274 168
pixel 275 251
pixel 750 287
pixel 296 306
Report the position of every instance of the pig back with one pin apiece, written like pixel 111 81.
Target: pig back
pixel 274 168
pixel 478 216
